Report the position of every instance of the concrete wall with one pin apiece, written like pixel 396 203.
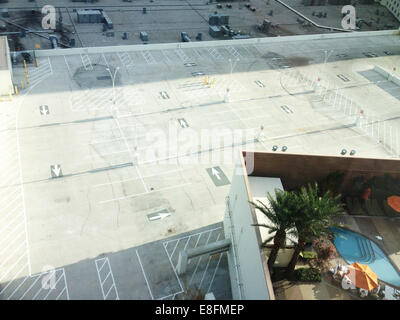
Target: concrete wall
pixel 6 84
pixel 197 44
pixel 247 262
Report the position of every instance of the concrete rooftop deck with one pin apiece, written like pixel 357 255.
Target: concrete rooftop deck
pixel 81 175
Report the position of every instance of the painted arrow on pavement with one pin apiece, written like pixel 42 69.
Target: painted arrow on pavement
pixel 183 123
pixel 215 173
pixel 56 171
pixel 44 110
pixel 217 176
pixel 159 215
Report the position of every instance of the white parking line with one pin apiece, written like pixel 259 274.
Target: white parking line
pixel 10 203
pixel 132 155
pixel 173 268
pixel 12 254
pixel 9 224
pixel 11 233
pixel 166 56
pixel 182 55
pixel 126 59
pixel 148 57
pixel 11 212
pixel 11 242
pixel 10 195
pixel 144 274
pixel 61 293
pixel 35 278
pixel 208 263
pixel 188 238
pixel 105 60
pixel 12 267
pixel 69 69
pixel 9 297
pixel 55 285
pixel 134 179
pixel 215 54
pixel 86 62
pixel 144 193
pixel 105 262
pixel 198 262
pixel 171 295
pixel 192 235
pixel 233 52
pixel 215 272
pixel 173 251
pixel 15 276
pixel 198 53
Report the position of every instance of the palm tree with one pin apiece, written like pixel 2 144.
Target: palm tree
pixel 314 218
pixel 280 212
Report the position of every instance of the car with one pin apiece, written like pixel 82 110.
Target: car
pixel 369 54
pixel 27 57
pixel 185 37
pixel 247 5
pixel 198 73
pixel 219 6
pixel 228 5
pixel 388 53
pixel 252 9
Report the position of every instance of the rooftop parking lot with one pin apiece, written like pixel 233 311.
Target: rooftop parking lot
pixel 91 175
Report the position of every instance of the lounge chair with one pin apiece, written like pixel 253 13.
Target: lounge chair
pixel 363 293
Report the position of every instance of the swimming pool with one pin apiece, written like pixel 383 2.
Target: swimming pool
pixel 356 248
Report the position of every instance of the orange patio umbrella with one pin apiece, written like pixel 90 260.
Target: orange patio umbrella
pixel 394 202
pixel 362 276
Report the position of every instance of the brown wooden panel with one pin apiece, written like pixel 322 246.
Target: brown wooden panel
pixel 296 170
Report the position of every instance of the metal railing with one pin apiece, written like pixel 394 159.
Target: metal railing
pixel 332 101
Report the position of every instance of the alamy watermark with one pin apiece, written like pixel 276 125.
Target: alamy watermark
pixel 349 20
pixel 49 278
pixel 49 20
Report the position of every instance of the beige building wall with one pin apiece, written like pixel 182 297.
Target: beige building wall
pixel 6 84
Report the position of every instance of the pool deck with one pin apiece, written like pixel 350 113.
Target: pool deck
pixel 324 290
pixel 370 227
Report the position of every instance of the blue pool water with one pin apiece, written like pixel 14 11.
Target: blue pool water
pixel 356 248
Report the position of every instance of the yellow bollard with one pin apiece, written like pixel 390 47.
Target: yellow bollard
pixel 10 96
pixel 26 73
pixel 205 80
pixel 16 89
pixel 37 63
pixel 211 83
pixel 22 85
